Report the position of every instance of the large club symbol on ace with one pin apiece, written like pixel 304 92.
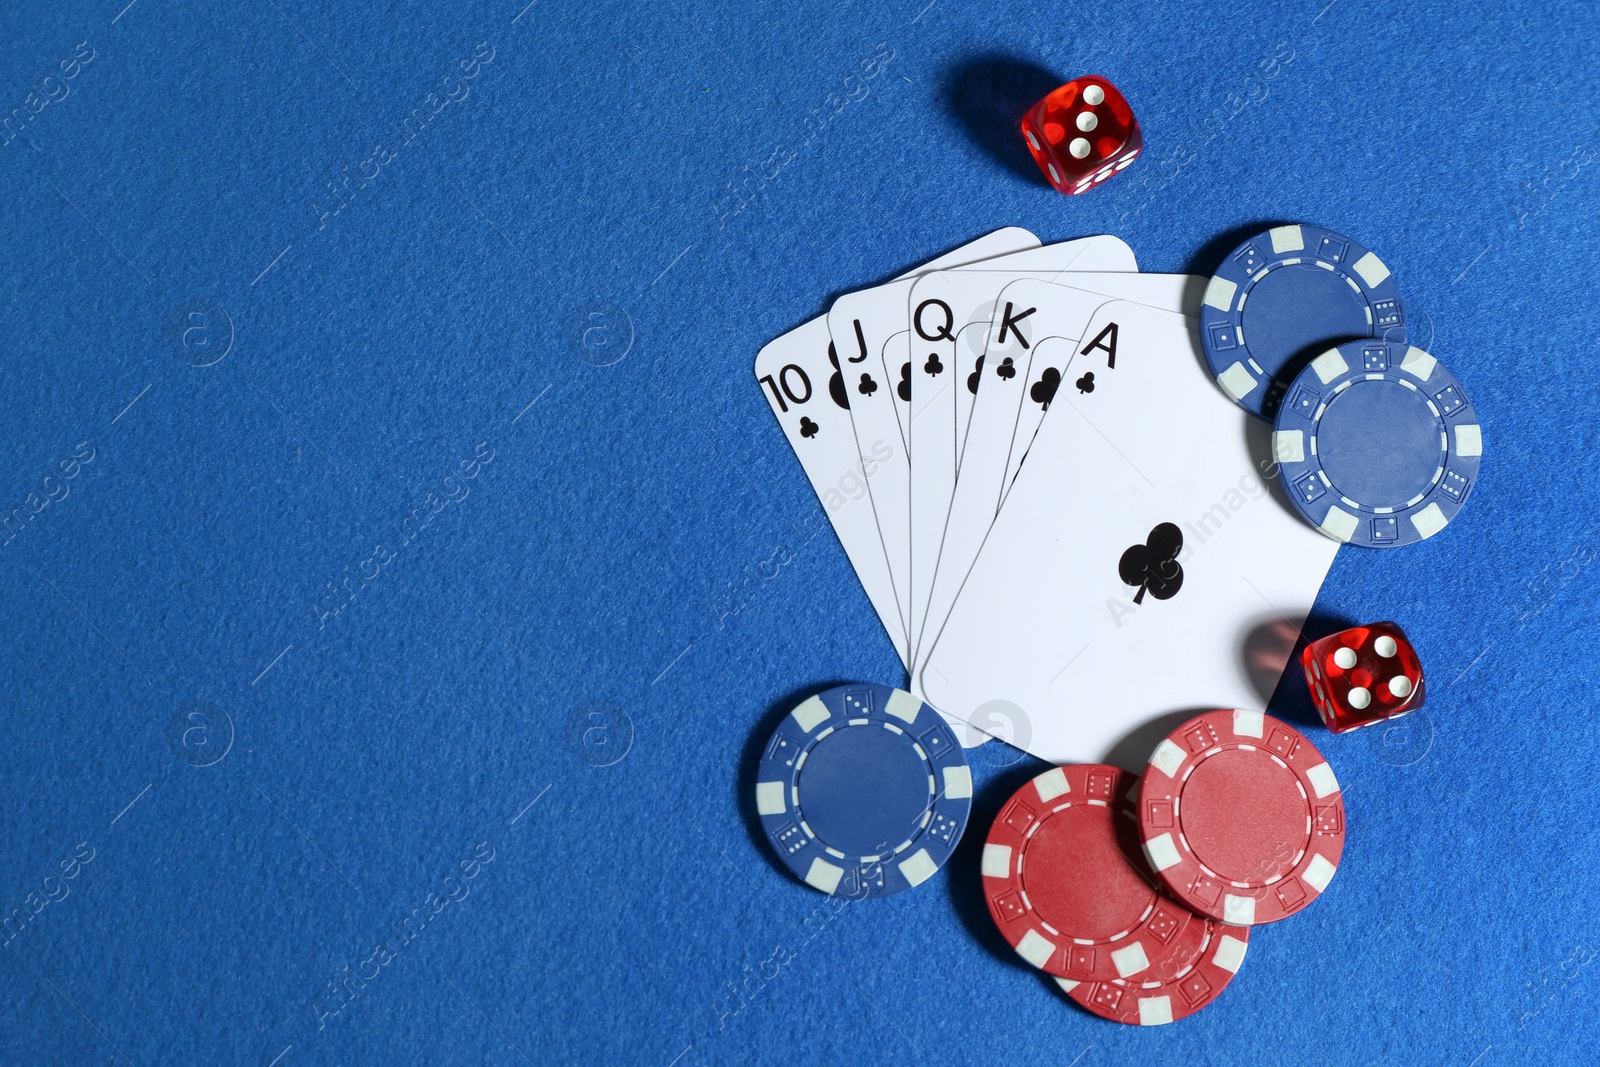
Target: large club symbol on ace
pixel 1153 566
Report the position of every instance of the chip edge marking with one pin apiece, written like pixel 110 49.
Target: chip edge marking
pixel 1167 758
pixel 824 875
pixel 769 794
pixel 1287 239
pixel 996 860
pixel 811 713
pixel 1162 852
pixel 1220 293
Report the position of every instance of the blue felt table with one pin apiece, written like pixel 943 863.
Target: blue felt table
pixel 401 565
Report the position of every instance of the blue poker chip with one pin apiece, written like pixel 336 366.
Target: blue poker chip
pixel 864 791
pixel 1282 297
pixel 1377 444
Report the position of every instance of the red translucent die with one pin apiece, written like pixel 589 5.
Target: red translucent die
pixel 1363 675
pixel 1082 134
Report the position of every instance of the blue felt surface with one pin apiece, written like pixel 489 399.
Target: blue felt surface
pixel 641 538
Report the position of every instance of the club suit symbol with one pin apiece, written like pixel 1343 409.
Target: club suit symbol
pixel 1006 370
pixel 1086 383
pixel 867 386
pixel 808 429
pixel 1044 390
pixel 904 388
pixel 973 378
pixel 933 366
pixel 1153 566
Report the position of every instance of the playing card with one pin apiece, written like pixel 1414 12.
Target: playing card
pixel 1135 563
pixel 949 315
pixel 1030 415
pixel 866 324
pixel 795 374
pixel 1024 352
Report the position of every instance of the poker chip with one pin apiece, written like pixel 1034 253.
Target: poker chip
pixel 1171 994
pixel 1241 817
pixel 1066 884
pixel 864 791
pixel 1284 295
pixel 1377 444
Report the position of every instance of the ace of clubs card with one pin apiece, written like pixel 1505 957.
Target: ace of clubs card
pixel 1134 560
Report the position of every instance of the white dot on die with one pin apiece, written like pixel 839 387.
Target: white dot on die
pixel 1385 647
pixel 1126 160
pixel 1345 657
pixel 1093 95
pixel 1400 686
pixel 1087 121
pixel 1359 697
pixel 1079 147
pixel 1033 140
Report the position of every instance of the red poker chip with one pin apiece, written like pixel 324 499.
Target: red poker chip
pixel 1173 993
pixel 1066 884
pixel 1241 817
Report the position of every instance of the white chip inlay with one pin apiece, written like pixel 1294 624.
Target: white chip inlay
pixel 1161 852
pixel 810 714
pixel 1155 1011
pixel 1339 524
pixel 1219 293
pixel 1167 758
pixel 1051 784
pixel 1345 657
pixel 1249 723
pixel 918 867
pixel 1330 365
pixel 1418 364
pixel 996 861
pixel 958 782
pixel 1237 381
pixel 1371 269
pixel 1469 440
pixel 770 798
pixel 1287 239
pixel 824 875
pixel 1035 948
pixel 1430 520
pixel 1385 646
pixel 1079 147
pixel 1238 911
pixel 1229 954
pixel 1323 783
pixel 1319 872
pixel 1288 446
pixel 1130 961
pixel 902 705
